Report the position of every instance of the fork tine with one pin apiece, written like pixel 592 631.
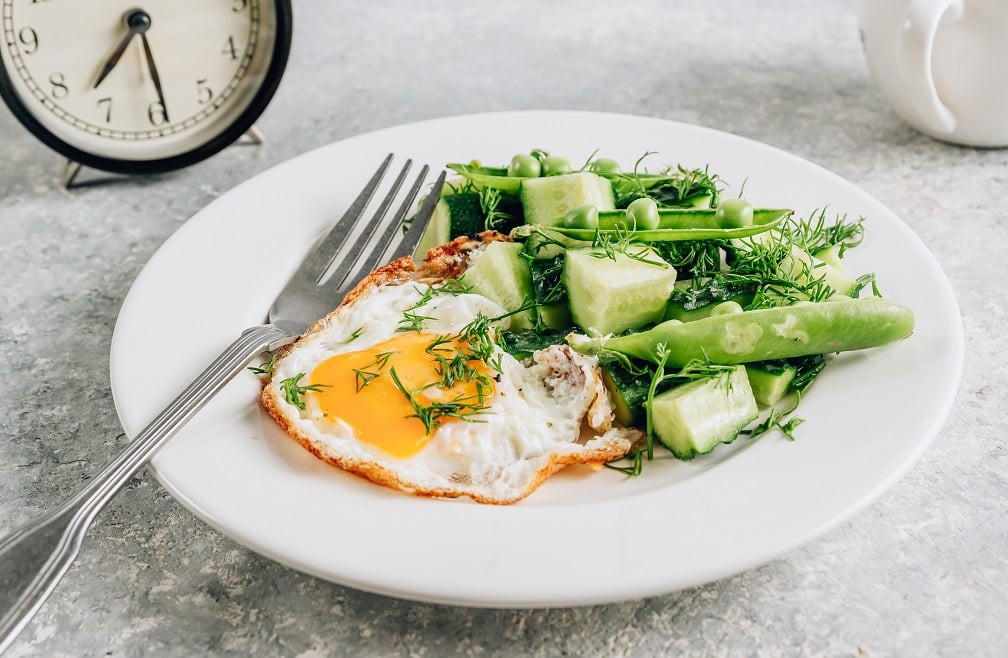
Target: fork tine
pixel 409 240
pixel 321 258
pixel 350 253
pixel 419 224
pixel 388 236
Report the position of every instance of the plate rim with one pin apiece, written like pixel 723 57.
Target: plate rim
pixel 938 416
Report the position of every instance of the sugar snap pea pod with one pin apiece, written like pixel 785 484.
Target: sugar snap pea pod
pixel 770 333
pixel 681 224
pixel 493 177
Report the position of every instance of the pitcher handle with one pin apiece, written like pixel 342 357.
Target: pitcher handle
pixel 917 36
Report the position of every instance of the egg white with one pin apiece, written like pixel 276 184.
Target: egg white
pixel 535 418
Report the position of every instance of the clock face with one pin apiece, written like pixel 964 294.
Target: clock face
pixel 120 84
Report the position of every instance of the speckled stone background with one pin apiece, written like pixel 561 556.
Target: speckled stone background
pixel 922 572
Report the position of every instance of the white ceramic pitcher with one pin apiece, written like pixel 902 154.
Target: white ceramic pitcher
pixel 942 64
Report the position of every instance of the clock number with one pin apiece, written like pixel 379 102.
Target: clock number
pixel 59 87
pixel 239 5
pixel 107 102
pixel 29 39
pixel 203 93
pixel 156 113
pixel 229 48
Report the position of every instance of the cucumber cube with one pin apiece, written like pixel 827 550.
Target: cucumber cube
pixel 500 274
pixel 607 295
pixel 546 200
pixel 770 387
pixel 693 418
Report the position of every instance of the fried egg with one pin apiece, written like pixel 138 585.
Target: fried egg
pixel 402 386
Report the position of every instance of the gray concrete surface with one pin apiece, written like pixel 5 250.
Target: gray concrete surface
pixel 922 572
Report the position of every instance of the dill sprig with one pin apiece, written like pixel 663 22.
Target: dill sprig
pixel 759 262
pixel 814 234
pixel 294 392
pixel 656 378
pixel 775 420
pixel 368 373
pixel 354 335
pixel 265 368
pixel 636 467
pixel 456 359
pixel 621 241
pixel 461 407
pixel 701 258
pixel 479 341
pixel 490 198
pixel 412 320
pixel 865 281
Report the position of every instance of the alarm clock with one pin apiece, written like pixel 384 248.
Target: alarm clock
pixel 141 86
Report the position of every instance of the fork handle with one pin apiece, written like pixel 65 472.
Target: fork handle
pixel 34 557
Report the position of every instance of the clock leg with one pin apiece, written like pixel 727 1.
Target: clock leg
pixel 254 135
pixel 69 174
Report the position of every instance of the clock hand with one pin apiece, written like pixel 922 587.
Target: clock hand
pixel 153 72
pixel 137 22
pixel 114 58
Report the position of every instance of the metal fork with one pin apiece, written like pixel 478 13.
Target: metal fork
pixel 34 557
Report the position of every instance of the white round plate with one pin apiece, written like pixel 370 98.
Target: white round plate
pixel 586 536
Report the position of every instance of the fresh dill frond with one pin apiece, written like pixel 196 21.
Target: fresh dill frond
pixel 478 339
pixel 775 420
pixel 294 392
pixel 700 258
pixel 659 375
pixel 265 368
pixel 454 287
pixel 412 320
pixel 636 467
pixel 588 163
pixel 354 335
pixel 440 345
pixel 814 234
pixel 490 198
pixel 864 281
pixel 621 241
pixel 368 373
pixel 762 263
pixel 462 407
pixel 700 369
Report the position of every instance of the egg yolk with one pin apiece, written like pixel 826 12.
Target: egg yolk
pixel 395 394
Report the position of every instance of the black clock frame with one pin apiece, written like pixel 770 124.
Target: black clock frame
pixel 262 98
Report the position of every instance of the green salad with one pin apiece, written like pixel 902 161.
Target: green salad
pixel 710 316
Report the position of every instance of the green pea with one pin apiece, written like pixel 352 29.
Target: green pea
pixel 605 166
pixel 585 216
pixel 553 165
pixel 734 213
pixel 524 166
pixel 767 333
pixel 642 214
